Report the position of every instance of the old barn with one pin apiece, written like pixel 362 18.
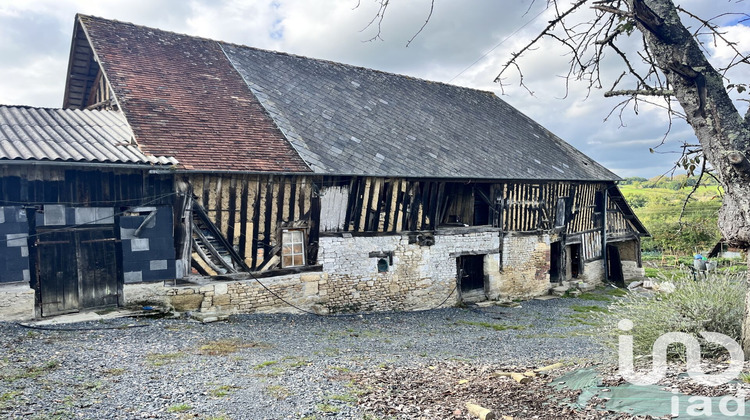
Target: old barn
pixel 311 185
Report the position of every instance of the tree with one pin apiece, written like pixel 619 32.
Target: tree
pixel 676 69
pixel 670 69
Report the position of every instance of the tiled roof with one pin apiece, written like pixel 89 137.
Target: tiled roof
pixel 182 98
pixel 351 120
pixel 218 106
pixel 28 133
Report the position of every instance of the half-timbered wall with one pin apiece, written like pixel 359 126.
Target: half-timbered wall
pixel 369 204
pixel 251 210
pixel 618 225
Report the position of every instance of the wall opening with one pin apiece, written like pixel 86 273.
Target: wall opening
pixel 481 205
pixel 574 251
pixel 614 266
pixel 471 279
pixel 555 264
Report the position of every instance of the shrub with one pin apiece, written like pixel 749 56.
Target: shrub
pixel 715 304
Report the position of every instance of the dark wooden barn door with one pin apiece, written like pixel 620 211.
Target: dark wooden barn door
pixel 77 270
pixel 97 268
pixel 58 273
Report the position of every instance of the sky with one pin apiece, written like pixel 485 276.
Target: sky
pixel 466 43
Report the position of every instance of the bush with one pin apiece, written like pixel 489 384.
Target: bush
pixel 715 304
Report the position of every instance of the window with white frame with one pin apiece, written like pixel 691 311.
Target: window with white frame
pixel 292 248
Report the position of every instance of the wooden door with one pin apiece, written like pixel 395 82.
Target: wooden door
pixel 58 272
pixel 77 270
pixel 97 268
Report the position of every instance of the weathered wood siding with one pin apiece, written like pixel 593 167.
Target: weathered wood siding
pixel 618 226
pixel 369 204
pixel 38 185
pixel 251 210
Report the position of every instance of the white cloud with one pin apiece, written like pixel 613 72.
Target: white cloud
pixel 35 41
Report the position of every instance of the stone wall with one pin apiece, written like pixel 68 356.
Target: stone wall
pixel 378 273
pixel 526 263
pixel 593 272
pixel 305 291
pixel 419 276
pixel 16 302
pixel 631 271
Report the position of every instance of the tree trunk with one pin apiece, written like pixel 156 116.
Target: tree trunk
pixel 746 323
pixel 721 130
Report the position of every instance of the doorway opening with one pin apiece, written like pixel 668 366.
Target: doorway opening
pixel 555 264
pixel 471 278
pixel 574 250
pixel 614 266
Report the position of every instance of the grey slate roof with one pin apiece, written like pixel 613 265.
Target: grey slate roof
pixel 28 133
pixel 347 120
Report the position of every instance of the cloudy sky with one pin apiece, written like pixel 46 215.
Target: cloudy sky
pixel 465 43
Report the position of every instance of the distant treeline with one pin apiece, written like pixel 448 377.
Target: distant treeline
pixel 675 182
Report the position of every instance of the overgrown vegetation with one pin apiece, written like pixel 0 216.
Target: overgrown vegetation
pixel 658 203
pixel 715 304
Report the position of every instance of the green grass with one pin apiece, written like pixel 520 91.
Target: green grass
pixel 347 398
pixel 224 347
pixel 179 408
pixel 279 392
pixel 11 375
pixel 589 308
pixel 265 364
pixel 223 391
pixel 496 327
pixel 327 408
pixel 161 359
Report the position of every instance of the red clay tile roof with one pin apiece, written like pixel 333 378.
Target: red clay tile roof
pixel 183 98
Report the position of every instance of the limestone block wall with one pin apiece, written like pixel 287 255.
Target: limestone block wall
pixel 631 271
pixel 305 291
pixel 593 272
pixel 146 294
pixel 420 276
pixel 526 264
pixel 16 302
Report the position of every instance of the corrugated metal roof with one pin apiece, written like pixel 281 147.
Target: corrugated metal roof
pixel 28 133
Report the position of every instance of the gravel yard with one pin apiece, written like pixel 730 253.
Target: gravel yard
pixel 269 366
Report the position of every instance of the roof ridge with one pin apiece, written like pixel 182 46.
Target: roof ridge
pixel 288 54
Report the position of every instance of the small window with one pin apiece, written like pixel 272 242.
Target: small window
pixel 292 248
pixel 383 265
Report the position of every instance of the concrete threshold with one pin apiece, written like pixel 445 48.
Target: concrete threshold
pixel 91 316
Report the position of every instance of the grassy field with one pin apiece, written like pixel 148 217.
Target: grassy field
pixel 659 204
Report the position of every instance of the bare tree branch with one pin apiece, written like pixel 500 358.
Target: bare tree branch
pixel 647 92
pixel 432 7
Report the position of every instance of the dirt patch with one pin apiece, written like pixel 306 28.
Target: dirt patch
pixel 442 391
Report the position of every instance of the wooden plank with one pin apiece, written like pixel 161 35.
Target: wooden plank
pixel 291 200
pixel 364 206
pixel 259 220
pixel 399 210
pixel 371 222
pixel 285 187
pixel 352 203
pixel 278 209
pixel 390 204
pixel 249 199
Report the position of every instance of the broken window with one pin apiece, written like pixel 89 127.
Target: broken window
pixel 292 248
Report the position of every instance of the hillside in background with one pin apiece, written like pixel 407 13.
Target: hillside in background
pixel 658 203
